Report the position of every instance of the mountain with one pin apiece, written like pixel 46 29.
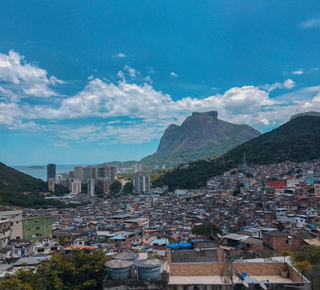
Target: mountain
pixel 12 185
pixel 311 113
pixel 297 140
pixel 200 135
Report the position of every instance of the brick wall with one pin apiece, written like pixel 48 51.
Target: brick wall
pixel 196 269
pixel 259 269
pixel 295 276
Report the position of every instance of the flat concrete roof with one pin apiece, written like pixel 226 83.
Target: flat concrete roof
pixel 192 280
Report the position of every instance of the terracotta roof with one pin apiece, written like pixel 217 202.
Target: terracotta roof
pixel 80 247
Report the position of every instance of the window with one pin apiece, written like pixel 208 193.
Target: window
pixel 37 228
pixel 35 221
pixel 288 242
pixel 40 250
pixel 28 229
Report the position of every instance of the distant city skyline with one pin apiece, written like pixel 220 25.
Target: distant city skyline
pixel 90 84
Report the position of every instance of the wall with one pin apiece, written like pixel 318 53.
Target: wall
pixel 197 269
pixel 16 217
pixel 37 227
pixel 258 269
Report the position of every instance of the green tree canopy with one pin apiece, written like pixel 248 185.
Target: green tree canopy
pixel 115 186
pixel 78 270
pixel 206 230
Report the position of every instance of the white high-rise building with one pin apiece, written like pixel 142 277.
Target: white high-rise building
pixel 58 178
pixel 51 183
pixel 91 187
pixel 141 182
pixel 76 186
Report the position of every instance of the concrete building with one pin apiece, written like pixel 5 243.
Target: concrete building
pixel 58 178
pixel 84 173
pixel 91 187
pixel 141 182
pixel 76 186
pixel 15 216
pixel 35 228
pixel 79 173
pixel 51 171
pixel 51 184
pixel 5 232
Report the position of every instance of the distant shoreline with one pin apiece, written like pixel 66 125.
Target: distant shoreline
pixel 36 167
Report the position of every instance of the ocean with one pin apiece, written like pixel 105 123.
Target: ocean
pixel 42 172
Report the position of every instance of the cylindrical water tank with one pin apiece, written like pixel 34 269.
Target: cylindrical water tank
pixel 118 269
pixel 148 269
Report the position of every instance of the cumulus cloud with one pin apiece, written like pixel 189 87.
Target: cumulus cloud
pixel 287 84
pixel 136 113
pixel 298 72
pixel 310 23
pixel 132 72
pixel 173 75
pixel 120 55
pixel 28 79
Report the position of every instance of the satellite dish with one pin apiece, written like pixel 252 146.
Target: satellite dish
pixel 239 275
pixel 219 236
pixel 264 287
pixel 242 278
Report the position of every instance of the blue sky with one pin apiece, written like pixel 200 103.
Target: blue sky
pixel 84 83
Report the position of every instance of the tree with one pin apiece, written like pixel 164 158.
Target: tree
pixel 310 254
pixel 128 187
pixel 302 266
pixel 115 186
pixel 307 253
pixel 206 230
pixel 78 270
pixel 286 253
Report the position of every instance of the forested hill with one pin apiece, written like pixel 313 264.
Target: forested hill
pixel 13 183
pixel 297 140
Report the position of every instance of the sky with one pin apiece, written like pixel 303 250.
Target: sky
pixel 84 82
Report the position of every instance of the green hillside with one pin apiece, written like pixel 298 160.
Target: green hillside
pixel 12 185
pixel 297 140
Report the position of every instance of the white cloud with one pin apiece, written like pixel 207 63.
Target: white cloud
pixel 173 75
pixel 120 55
pixel 132 72
pixel 310 23
pixel 28 80
pixel 298 72
pixel 61 144
pixel 142 113
pixel 287 84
